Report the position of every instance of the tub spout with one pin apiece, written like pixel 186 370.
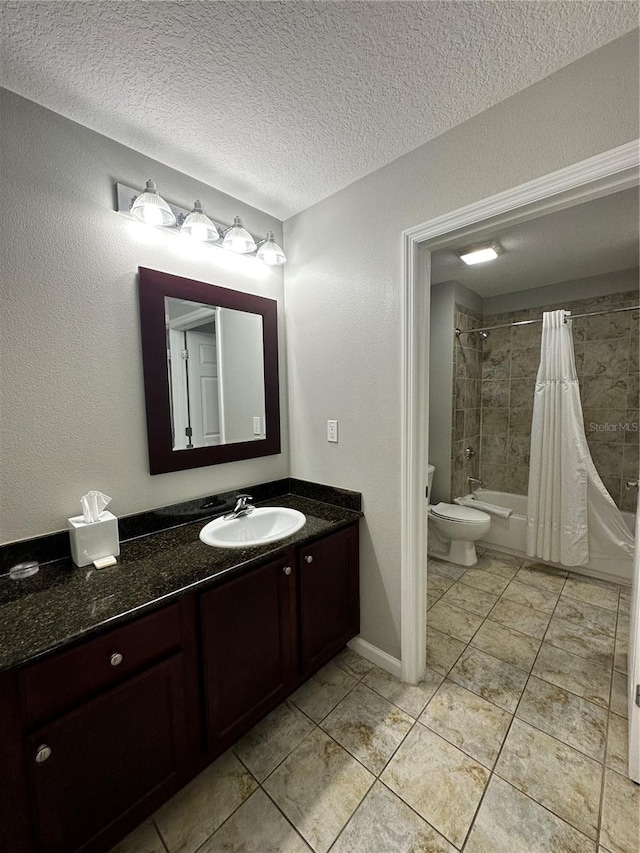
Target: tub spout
pixel 474 483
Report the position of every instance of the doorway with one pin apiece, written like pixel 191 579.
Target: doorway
pixel 612 171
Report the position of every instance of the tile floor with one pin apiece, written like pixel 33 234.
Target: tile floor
pixel 514 742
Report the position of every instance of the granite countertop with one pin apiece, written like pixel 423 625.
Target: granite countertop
pixel 63 603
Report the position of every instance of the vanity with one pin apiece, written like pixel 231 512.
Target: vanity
pixel 119 686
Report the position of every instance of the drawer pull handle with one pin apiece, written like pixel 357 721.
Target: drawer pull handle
pixel 308 558
pixel 115 659
pixel 287 570
pixel 43 753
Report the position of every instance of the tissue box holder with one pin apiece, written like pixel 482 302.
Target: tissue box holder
pixel 89 542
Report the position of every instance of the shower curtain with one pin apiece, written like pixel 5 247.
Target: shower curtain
pixel 571 516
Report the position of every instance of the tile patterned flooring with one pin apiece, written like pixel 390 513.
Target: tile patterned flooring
pixel 514 742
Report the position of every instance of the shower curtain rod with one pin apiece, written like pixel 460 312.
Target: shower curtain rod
pixel 528 322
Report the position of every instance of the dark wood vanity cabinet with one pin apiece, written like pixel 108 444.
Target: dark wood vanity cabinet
pixel 109 730
pixel 270 629
pixel 329 597
pixel 249 628
pixel 98 736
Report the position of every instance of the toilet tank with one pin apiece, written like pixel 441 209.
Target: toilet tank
pixel 430 472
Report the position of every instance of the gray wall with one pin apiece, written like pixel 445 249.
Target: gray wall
pixel 583 288
pixel 467 299
pixel 72 404
pixel 343 286
pixel 454 388
pixel 440 385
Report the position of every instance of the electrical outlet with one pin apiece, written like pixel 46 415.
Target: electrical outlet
pixel 257 426
pixel 332 431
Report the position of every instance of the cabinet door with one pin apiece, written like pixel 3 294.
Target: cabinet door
pixel 95 764
pixel 249 637
pixel 329 597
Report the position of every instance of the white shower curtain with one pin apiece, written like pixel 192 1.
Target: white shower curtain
pixel 571 516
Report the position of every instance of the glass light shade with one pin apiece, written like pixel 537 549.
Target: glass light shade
pixel 238 239
pixel 151 208
pixel 270 252
pixel 198 225
pixel 480 254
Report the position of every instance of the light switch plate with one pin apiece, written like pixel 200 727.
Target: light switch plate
pixel 332 431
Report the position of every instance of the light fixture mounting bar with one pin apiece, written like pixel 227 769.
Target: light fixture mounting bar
pixel 125 196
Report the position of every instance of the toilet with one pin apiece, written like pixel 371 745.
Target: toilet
pixel 454 530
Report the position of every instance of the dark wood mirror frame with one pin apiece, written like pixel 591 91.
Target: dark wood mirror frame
pixel 154 286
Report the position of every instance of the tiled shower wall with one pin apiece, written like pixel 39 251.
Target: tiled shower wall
pixel 466 402
pixel 606 349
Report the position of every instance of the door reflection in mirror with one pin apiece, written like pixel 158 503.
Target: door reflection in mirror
pixel 215 365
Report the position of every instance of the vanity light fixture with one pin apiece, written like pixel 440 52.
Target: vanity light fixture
pixel 238 239
pixel 270 252
pixel 198 225
pixel 480 254
pixel 151 208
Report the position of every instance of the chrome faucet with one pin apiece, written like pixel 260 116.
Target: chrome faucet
pixel 478 483
pixel 242 507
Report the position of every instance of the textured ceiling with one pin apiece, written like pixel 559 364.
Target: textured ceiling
pixel 282 103
pixel 588 239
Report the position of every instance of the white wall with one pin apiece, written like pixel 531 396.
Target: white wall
pixel 343 286
pixel 72 404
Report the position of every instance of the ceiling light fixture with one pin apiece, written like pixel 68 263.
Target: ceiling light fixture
pixel 238 239
pixel 480 254
pixel 270 252
pixel 151 208
pixel 198 225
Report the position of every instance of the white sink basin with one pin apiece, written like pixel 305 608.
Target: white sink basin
pixel 263 525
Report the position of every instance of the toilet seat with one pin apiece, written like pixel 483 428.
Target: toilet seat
pixel 459 514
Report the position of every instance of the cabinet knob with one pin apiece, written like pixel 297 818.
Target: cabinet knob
pixel 287 570
pixel 115 659
pixel 308 559
pixel 43 753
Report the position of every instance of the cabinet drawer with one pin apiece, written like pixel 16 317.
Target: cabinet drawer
pixel 59 683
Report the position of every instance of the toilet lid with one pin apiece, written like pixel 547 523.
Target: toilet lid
pixel 454 512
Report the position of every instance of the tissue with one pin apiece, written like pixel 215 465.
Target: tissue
pixel 94 534
pixel 92 505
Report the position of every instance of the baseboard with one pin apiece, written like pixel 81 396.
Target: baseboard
pixel 375 655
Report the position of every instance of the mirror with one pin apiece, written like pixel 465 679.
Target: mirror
pixel 210 358
pixel 212 352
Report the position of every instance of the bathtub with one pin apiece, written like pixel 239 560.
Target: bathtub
pixel 510 534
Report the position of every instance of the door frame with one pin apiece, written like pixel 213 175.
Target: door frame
pixel 611 171
pixel 633 663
